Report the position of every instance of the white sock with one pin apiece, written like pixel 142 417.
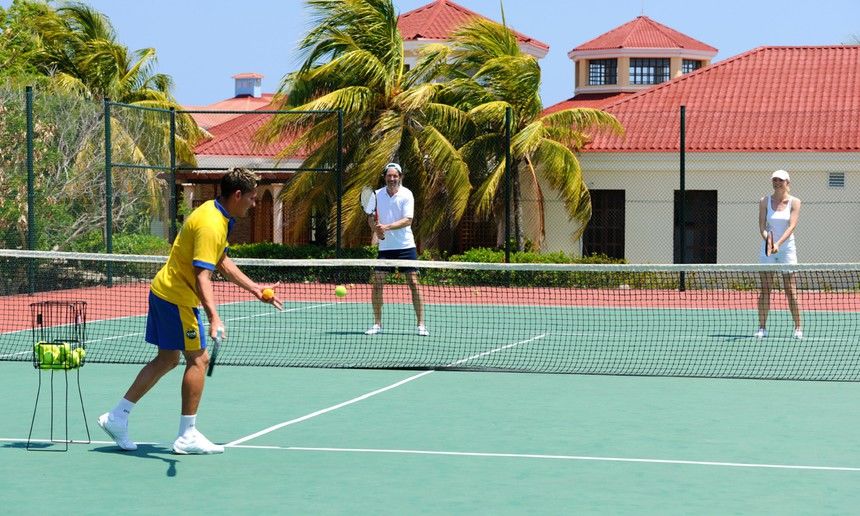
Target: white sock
pixel 122 409
pixel 186 423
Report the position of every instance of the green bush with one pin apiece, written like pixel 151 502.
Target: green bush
pixel 93 242
pixel 271 250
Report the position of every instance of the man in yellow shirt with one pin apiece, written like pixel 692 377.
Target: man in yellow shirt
pixel 173 323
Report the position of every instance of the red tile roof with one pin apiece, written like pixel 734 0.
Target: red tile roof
pixel 236 138
pixel 643 32
pixel 210 121
pixel 248 76
pixel 587 100
pixel 765 100
pixel 438 19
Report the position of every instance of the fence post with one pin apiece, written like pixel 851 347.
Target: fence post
pixel 108 190
pixel 682 214
pixel 339 180
pixel 508 184
pixel 172 208
pixel 31 194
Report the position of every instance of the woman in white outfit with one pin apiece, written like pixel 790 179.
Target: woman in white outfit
pixel 778 213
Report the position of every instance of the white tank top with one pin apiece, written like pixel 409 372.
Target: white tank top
pixel 778 221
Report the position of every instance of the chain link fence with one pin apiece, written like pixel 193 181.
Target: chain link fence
pixel 134 197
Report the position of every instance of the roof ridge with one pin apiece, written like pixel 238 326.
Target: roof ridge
pixel 662 29
pixel 684 77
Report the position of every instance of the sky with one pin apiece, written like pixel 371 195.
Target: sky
pixel 203 43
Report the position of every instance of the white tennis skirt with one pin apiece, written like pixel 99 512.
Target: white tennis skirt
pixel 787 254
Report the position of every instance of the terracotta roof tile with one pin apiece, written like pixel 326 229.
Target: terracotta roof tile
pixel 236 138
pixel 643 32
pixel 587 100
pixel 766 99
pixel 210 121
pixel 438 19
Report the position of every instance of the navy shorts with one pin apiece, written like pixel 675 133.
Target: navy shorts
pixel 397 254
pixel 174 327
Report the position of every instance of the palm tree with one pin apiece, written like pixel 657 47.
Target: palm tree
pixel 80 52
pixel 354 62
pixel 487 73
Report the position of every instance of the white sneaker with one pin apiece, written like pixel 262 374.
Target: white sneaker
pixel 422 330
pixel 761 333
pixel 374 330
pixel 195 443
pixel 118 431
pixel 798 334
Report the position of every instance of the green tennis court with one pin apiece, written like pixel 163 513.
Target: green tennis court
pixel 317 441
pixel 660 420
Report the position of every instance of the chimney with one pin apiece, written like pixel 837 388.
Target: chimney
pixel 248 85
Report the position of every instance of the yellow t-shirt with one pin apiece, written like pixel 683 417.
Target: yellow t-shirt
pixel 201 243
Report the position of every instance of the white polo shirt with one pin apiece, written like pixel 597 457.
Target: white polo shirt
pixel 392 208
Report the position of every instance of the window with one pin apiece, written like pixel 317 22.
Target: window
pixel 836 179
pixel 649 71
pixel 700 226
pixel 690 65
pixel 602 71
pixel 605 231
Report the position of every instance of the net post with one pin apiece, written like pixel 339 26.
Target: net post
pixel 108 190
pixel 31 194
pixel 171 231
pixel 508 184
pixel 339 180
pixel 682 215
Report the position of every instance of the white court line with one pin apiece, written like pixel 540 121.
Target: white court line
pixel 539 456
pixel 372 393
pixel 328 409
pixel 565 457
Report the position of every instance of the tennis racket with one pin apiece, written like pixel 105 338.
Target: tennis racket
pixel 368 204
pixel 768 248
pixel 216 344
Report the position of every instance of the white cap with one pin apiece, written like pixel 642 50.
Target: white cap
pixel 780 174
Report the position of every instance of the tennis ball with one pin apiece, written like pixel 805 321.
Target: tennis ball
pixel 73 358
pixel 47 355
pixel 268 294
pixel 81 353
pixel 340 291
pixel 64 350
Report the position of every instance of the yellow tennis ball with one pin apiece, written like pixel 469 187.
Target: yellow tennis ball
pixel 47 355
pixel 340 291
pixel 65 350
pixel 73 359
pixel 268 294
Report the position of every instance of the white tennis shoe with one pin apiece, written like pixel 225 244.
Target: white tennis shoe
pixel 798 334
pixel 761 333
pixel 422 330
pixel 117 429
pixel 374 330
pixel 195 443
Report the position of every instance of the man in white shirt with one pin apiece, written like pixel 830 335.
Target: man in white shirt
pixel 395 207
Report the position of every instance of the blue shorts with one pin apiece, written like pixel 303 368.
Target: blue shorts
pixel 397 254
pixel 170 326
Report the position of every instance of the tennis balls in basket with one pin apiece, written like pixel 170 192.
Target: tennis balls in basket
pixel 48 354
pixel 340 291
pixel 73 358
pixel 268 294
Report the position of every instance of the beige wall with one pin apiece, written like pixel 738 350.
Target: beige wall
pixel 826 231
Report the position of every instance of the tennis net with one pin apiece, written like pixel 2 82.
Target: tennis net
pixel 586 319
